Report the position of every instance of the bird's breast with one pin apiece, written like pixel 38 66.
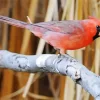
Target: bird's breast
pixel 66 41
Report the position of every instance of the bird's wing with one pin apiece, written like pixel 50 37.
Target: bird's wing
pixel 65 27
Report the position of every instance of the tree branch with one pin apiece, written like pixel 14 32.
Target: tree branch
pixel 64 65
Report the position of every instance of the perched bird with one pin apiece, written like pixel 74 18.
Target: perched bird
pixel 63 35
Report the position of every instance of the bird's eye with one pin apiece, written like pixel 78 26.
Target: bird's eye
pixel 97 26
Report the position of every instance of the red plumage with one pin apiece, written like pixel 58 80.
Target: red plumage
pixel 63 35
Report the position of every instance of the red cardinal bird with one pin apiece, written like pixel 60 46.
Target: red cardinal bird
pixel 63 35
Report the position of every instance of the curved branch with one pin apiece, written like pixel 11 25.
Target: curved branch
pixel 64 65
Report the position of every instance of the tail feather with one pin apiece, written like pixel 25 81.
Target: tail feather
pixel 14 22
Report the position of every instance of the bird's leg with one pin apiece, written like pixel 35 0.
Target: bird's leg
pixel 62 52
pixel 58 53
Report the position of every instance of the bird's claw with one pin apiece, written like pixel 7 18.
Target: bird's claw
pixel 62 55
pixel 59 55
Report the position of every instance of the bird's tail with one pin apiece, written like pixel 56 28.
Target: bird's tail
pixel 14 22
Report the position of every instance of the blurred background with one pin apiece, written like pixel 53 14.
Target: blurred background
pixel 44 86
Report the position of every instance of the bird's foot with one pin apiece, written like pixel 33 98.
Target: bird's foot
pixel 62 55
pixel 59 55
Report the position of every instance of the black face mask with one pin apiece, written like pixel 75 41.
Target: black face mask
pixel 97 34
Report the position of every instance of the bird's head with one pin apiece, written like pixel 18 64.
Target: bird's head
pixel 97 26
pixel 97 33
